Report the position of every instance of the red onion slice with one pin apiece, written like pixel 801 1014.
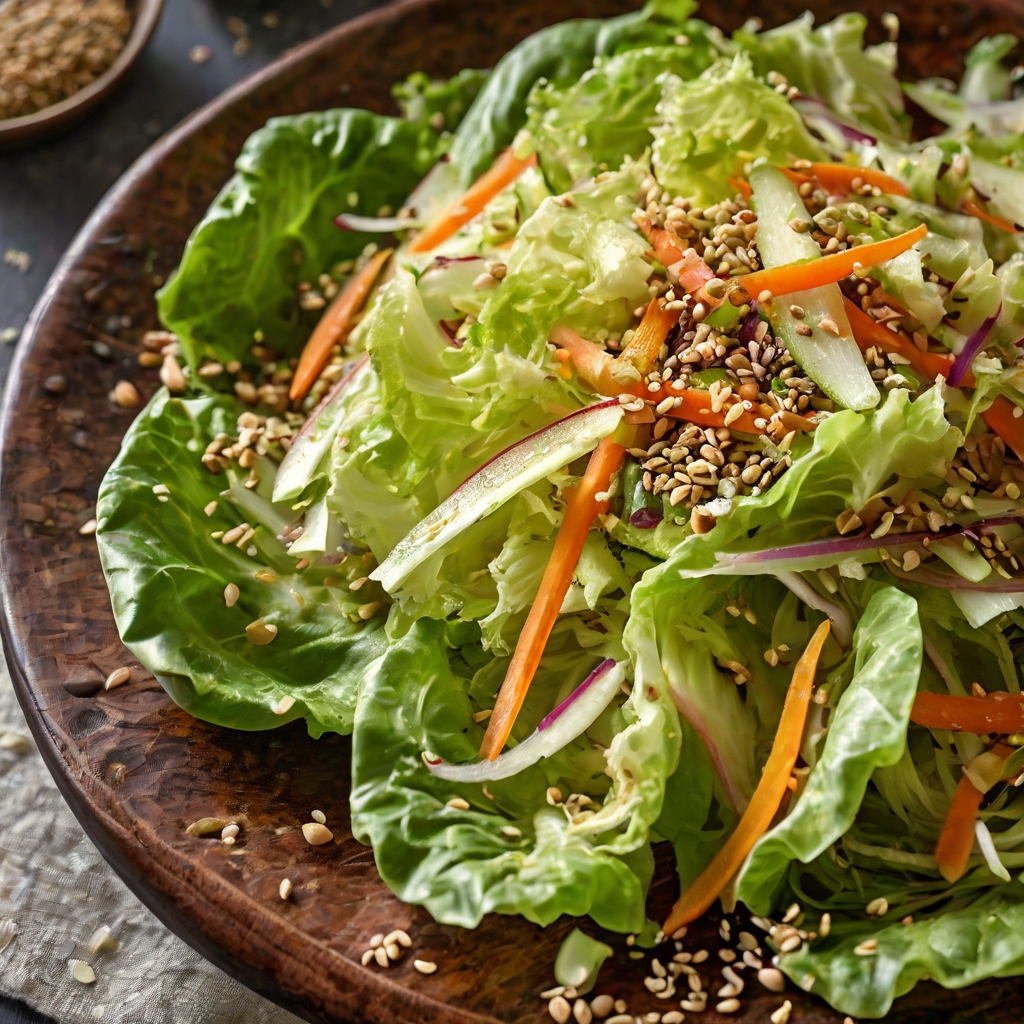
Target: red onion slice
pixel 311 443
pixel 573 717
pixel 513 470
pixel 972 346
pixel 811 109
pixel 375 225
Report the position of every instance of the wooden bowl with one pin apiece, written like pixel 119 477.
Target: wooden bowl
pixel 136 769
pixel 17 131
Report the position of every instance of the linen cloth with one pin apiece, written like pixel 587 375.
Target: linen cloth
pixel 56 890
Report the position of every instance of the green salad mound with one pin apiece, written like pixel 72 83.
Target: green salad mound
pixel 365 539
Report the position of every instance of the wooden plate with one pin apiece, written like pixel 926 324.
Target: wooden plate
pixel 19 131
pixel 133 767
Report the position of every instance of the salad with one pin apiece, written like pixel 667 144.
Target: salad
pixel 625 447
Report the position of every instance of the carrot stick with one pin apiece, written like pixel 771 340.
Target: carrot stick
pixel 333 324
pixel 642 350
pixel 868 333
pixel 976 211
pixel 586 501
pixel 766 799
pixel 741 186
pixel 1000 418
pixel 957 839
pixel 695 407
pixel 693 275
pixel 505 170
pixel 1002 712
pixel 840 178
pixel 798 277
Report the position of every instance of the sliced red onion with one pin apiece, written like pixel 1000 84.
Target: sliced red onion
pixel 748 329
pixel 645 518
pixel 810 108
pixel 573 717
pixel 313 441
pixel 830 550
pixel 449 333
pixel 516 468
pixel 842 626
pixel 375 225
pixel 993 584
pixel 972 346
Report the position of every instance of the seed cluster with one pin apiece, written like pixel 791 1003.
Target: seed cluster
pixel 50 49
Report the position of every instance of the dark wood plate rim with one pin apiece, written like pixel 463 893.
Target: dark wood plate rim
pixel 107 834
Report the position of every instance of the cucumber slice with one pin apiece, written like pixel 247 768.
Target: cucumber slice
pixel 835 364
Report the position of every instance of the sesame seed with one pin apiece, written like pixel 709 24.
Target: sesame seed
pixel 367 957
pixel 700 956
pixel 284 890
pixel 425 966
pixel 781 1015
pixel 231 594
pixel 728 1006
pixel 825 926
pixel 118 677
pixel 559 1010
pixel 772 979
pixel 319 817
pixel 82 972
pixel 377 940
pixel 458 803
pixel 581 1012
pixel 602 1005
pixel 259 633
pixel 126 395
pixel 380 954
pixel 367 611
pixel 316 834
pixel 869 947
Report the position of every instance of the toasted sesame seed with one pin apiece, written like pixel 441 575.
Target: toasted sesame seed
pixel 319 817
pixel 680 933
pixel 700 956
pixel 458 803
pixel 284 890
pixel 230 831
pixel 581 1012
pixel 367 956
pixel 171 376
pixel 554 795
pixel 559 1010
pixel 376 940
pixel 392 949
pixel 82 972
pixel 781 1015
pixel 825 926
pixel 380 954
pixel 126 395
pixel 316 834
pixel 118 677
pixel 728 1006
pixel 367 611
pixel 425 966
pixel 602 1005
pixel 259 633
pixel 869 947
pixel 772 979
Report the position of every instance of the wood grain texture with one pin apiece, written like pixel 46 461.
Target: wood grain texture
pixel 134 768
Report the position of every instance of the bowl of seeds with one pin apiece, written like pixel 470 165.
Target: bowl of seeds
pixel 60 58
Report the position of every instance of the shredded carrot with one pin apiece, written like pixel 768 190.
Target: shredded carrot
pixel 585 502
pixel 741 186
pixel 998 712
pixel 331 328
pixel 870 333
pixel 840 178
pixel 757 818
pixel 693 275
pixel 505 170
pixel 642 349
pixel 957 839
pixel 1000 418
pixel 695 407
pixel 798 277
pixel 990 218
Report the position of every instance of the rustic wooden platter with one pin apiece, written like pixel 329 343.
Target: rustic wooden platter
pixel 134 768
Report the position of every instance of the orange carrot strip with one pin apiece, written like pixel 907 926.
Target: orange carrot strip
pixel 582 506
pixel 741 186
pixel 592 362
pixel 695 407
pixel 798 277
pixel 332 325
pixel 642 349
pixel 1000 418
pixel 868 333
pixel 694 275
pixel 1002 712
pixel 840 178
pixel 766 799
pixel 505 170
pixel 976 211
pixel 957 839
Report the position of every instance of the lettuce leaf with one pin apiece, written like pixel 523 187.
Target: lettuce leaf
pixel 832 64
pixel 559 54
pixel 167 576
pixel 608 114
pixel 715 124
pixel 459 864
pixel 272 226
pixel 867 730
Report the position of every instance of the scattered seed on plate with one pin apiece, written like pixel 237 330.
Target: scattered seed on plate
pixel 82 972
pixel 284 890
pixel 316 834
pixel 425 966
pixel 118 677
pixel 319 817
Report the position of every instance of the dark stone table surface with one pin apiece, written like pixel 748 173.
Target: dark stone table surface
pixel 47 191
